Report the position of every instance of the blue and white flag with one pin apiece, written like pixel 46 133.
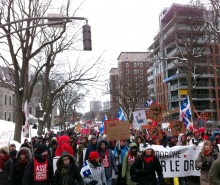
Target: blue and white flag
pixel 85 170
pixel 148 103
pixel 121 116
pixel 185 112
pixel 101 129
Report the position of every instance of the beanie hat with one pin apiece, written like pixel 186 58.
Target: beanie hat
pixel 93 156
pixel 13 153
pixel 53 142
pixel 211 138
pixel 41 148
pixel 195 131
pixel 5 150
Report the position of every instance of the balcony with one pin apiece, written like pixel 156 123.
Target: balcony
pixel 185 84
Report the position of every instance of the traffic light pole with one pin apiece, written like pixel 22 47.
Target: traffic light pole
pixel 87 45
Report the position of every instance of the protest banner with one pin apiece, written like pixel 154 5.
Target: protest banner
pixel 155 132
pixel 178 161
pixel 201 122
pixel 140 118
pixel 85 131
pixel 155 112
pixel 116 130
pixel 5 138
pixel 177 127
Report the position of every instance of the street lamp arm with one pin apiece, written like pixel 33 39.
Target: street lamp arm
pixel 43 18
pixel 38 25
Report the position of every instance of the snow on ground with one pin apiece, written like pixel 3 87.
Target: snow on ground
pixel 8 127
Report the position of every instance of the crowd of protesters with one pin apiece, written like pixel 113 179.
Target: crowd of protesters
pixel 32 163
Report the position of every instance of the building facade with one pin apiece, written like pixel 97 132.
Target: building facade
pixel 95 106
pixel 185 62
pixel 128 82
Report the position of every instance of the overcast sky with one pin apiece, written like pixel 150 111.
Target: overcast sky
pixel 121 26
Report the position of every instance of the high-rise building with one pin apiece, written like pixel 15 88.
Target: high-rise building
pixel 95 106
pixel 185 62
pixel 128 82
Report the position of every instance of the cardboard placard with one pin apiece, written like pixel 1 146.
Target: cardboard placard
pixel 155 112
pixel 116 130
pixel 155 132
pixel 177 127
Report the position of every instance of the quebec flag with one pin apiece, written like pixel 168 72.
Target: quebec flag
pixel 85 170
pixel 148 103
pixel 101 129
pixel 185 112
pixel 121 116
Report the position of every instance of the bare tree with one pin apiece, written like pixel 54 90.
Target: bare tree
pixel 132 95
pixel 24 42
pixel 68 100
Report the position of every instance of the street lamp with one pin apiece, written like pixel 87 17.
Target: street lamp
pixel 53 21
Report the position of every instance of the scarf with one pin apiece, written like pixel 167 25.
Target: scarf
pixel 22 162
pixel 3 160
pixel 148 159
pixel 207 152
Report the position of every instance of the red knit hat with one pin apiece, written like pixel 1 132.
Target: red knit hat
pixel 93 156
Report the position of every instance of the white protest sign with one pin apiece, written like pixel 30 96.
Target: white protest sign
pixel 178 161
pixel 55 159
pixel 5 138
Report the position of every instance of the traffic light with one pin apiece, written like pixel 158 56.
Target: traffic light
pixel 87 41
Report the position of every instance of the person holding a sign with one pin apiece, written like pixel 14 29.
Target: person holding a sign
pixel 204 161
pixel 6 167
pixel 146 167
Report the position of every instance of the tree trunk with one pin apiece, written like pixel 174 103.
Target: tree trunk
pixel 18 119
pixel 40 127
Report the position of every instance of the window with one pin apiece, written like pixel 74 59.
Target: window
pixel 135 78
pixel 141 64
pixel 142 99
pixel 9 116
pixel 127 64
pixel 141 71
pixel 127 78
pixel 128 93
pixel 9 100
pixel 135 71
pixel 127 71
pixel 5 99
pixel 135 65
pixel 128 100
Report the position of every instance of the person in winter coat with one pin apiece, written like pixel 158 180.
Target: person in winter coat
pixel 67 172
pixel 107 160
pixel 39 170
pixel 80 150
pixel 214 173
pixel 23 157
pixel 138 140
pixel 145 167
pixel 119 153
pixel 6 167
pixel 97 176
pixel 129 158
pixel 214 143
pixel 204 161
pixel 92 146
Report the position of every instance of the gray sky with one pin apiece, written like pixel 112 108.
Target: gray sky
pixel 121 26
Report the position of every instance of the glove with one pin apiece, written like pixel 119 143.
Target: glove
pixel 94 182
pixel 63 171
pixel 123 181
pixel 195 142
pixel 119 151
pixel 206 164
pixel 142 172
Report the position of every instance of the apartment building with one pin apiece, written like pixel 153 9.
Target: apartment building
pixel 185 62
